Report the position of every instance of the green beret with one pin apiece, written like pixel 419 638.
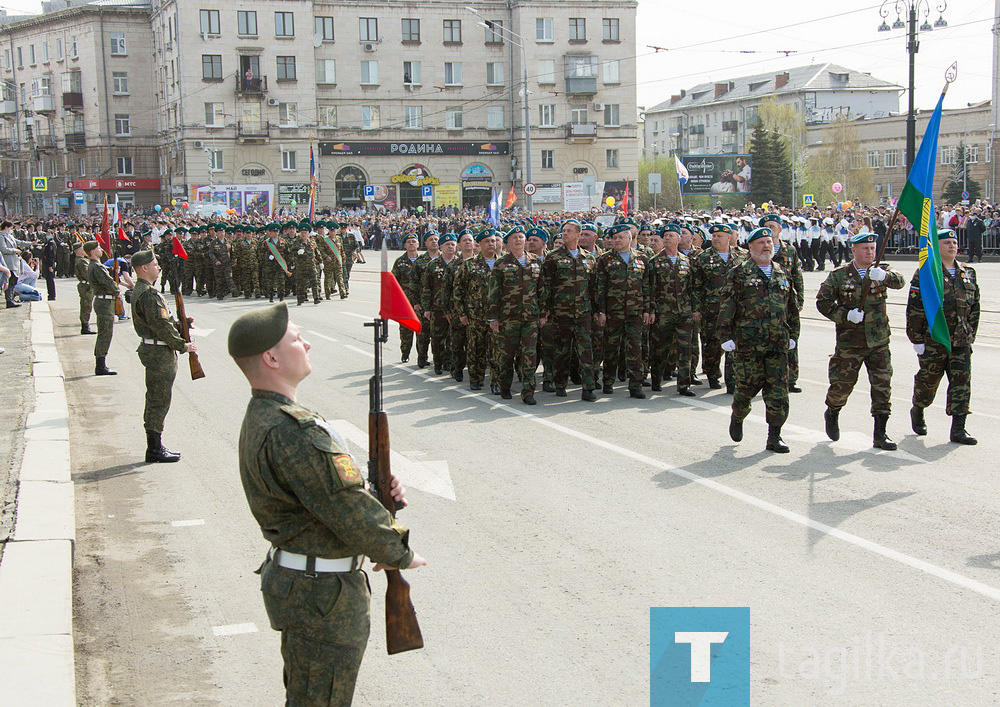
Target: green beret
pixel 537 232
pixel 758 233
pixel 770 217
pixel 143 257
pixel 645 227
pixel 486 233
pixel 445 237
pixel 511 232
pixel 720 228
pixel 89 246
pixel 946 233
pixel 627 220
pixel 257 331
pixel 866 238
pixel 617 228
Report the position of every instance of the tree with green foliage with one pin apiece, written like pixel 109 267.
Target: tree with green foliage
pixel 669 198
pixel 957 181
pixel 840 159
pixel 767 167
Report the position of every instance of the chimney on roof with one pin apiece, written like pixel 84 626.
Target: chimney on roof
pixel 721 88
pixel 780 80
pixel 676 97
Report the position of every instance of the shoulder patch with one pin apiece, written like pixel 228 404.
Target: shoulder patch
pixel 347 470
pixel 298 413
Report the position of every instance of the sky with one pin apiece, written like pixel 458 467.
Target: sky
pixel 710 43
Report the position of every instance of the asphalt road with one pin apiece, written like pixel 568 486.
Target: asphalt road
pixel 871 577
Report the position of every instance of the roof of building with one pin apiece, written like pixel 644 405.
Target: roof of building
pixel 815 77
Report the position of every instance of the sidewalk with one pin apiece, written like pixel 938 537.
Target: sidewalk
pixel 36 567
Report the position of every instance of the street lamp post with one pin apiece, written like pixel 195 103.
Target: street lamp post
pixel 911 8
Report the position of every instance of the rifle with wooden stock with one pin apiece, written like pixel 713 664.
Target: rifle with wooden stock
pixel 119 303
pixel 402 632
pixel 184 328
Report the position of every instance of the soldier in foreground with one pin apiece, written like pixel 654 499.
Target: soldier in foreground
pixel 308 495
pixel 80 267
pixel 105 291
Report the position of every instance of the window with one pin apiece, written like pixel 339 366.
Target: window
pixel 548 159
pixel 20 59
pixel 579 116
pixel 453 118
pixel 453 73
pixel 7 61
pixel 287 161
pixel 452 31
pixel 215 161
pixel 611 158
pixel 411 30
pixel 547 71
pixel 369 73
pixel 547 115
pixel 73 52
pixel 119 83
pixel 949 155
pixel 326 71
pixel 370 119
pixel 581 66
pixel 989 152
pixel 856 160
pixel 59 52
pixel 972 154
pixel 124 165
pixel 286 68
pixel 284 24
pixel 873 159
pixel 494 31
pixel 543 29
pixel 414 116
pixel 494 118
pixel 411 72
pixel 328 116
pixel 324 28
pixel 891 159
pixel 577 29
pixel 494 73
pixel 612 114
pixel 45 52
pixel 214 115
pixel 81 165
pixel 210 22
pixel 211 66
pixel 246 23
pixel 368 29
pixel 609 29
pixel 123 125
pixel 287 114
pixel 71 82
pixel 31 54
pixel 117 44
pixel 612 71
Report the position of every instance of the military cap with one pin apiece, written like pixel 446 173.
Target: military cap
pixel 305 225
pixel 865 238
pixel 273 226
pixel 410 237
pixel 571 220
pixel 290 224
pixel 445 237
pixel 257 331
pixel 511 232
pixel 537 232
pixel 645 227
pixel 430 232
pixel 769 217
pixel 588 226
pixel 486 233
pixel 670 228
pixel 617 228
pixel 89 246
pixel 720 228
pixel 466 232
pixel 627 220
pixel 143 257
pixel 759 232
pixel 333 225
pixel 946 233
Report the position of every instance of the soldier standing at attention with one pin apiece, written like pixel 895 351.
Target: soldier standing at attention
pixel 81 265
pixel 459 331
pixel 105 291
pixel 670 279
pixel 862 334
pixel 961 312
pixel 759 320
pixel 436 305
pixel 309 497
pixel 421 264
pixel 787 257
pixel 159 345
pixel 405 272
pixel 469 307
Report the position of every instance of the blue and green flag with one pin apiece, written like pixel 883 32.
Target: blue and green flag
pixel 916 203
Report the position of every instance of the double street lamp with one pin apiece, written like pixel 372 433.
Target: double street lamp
pixel 911 8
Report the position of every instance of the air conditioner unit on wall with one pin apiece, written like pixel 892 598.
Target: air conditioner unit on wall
pixel 598 106
pixel 273 101
pixel 198 144
pixel 369 46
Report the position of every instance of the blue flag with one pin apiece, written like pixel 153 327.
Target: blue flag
pixel 495 209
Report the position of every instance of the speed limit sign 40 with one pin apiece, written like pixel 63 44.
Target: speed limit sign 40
pixel 529 189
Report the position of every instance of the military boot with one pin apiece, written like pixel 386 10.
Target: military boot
pixel 588 395
pixel 655 384
pixel 958 433
pixel 101 369
pixel 881 439
pixel 735 429
pixel 917 421
pixel 774 443
pixel 85 329
pixel 156 452
pixel 832 417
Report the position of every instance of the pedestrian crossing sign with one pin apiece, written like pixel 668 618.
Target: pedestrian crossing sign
pixel 39 183
pixel 808 199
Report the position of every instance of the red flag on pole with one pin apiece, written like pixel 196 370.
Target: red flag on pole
pixel 625 199
pixel 178 249
pixel 118 221
pixel 394 304
pixel 104 237
pixel 511 198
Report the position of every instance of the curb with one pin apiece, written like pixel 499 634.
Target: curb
pixel 36 577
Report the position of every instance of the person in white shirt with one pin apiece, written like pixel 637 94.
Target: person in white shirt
pixel 742 176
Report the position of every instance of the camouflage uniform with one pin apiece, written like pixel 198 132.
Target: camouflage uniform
pixel 434 299
pixel 622 294
pixel 190 268
pixel 787 257
pixel 671 295
pixel 272 275
pixel 710 273
pixel 760 314
pixel 865 343
pixel 351 246
pixel 153 322
pixel 303 265
pixel 105 291
pixel 83 287
pixel 308 496
pixel 405 273
pixel 469 296
pixel 219 255
pixel 459 334
pixel 245 250
pixel 566 294
pixel 206 266
pixel 513 302
pixel 421 264
pixel 691 255
pixel 333 273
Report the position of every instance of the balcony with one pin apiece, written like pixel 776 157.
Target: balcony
pixel 251 87
pixel 7 145
pixel 43 104
pixel 250 131
pixel 581 132
pixel 45 142
pixel 75 140
pixel 8 109
pixel 730 126
pixel 73 101
pixel 581 85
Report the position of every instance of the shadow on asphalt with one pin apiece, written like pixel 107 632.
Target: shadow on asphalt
pixel 108 473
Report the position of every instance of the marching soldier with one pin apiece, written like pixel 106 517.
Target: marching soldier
pixel 786 256
pixel 304 266
pixel 331 252
pixel 961 313
pixel 219 256
pixel 81 266
pixel 435 304
pixel 273 275
pixel 459 330
pixel 352 247
pixel 406 272
pixel 469 300
pixel 670 279
pixel 105 291
pixel 862 334
pixel 538 239
pixel 421 264
pixel 710 272
pixel 759 320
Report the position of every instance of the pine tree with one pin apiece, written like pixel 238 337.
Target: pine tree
pixel 955 184
pixel 783 171
pixel 765 176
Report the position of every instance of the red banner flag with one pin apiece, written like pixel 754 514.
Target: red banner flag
pixel 625 199
pixel 178 249
pixel 118 221
pixel 394 304
pixel 511 198
pixel 104 237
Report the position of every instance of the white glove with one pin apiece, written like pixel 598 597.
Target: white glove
pixel 877 274
pixel 919 348
pixel 855 316
pixel 791 344
pixel 729 345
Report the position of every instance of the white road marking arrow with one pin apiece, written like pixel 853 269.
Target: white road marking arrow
pixel 430 476
pixel 200 332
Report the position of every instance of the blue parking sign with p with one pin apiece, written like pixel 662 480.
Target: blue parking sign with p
pixel 369 190
pixel 427 190
pixel 699 656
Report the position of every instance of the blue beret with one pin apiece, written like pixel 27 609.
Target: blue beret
pixel 645 227
pixel 628 220
pixel 410 236
pixel 588 226
pixel 466 232
pixel 486 233
pixel 770 217
pixel 445 237
pixel 617 228
pixel 670 228
pixel 720 228
pixel 511 232
pixel 537 232
pixel 571 220
pixel 864 238
pixel 758 233
pixel 430 232
pixel 946 233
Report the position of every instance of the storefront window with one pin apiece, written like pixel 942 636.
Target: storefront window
pixel 349 185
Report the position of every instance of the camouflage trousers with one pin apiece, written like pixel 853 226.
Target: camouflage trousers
pixel 324 623
pixel 546 349
pixel 518 340
pixel 86 302
pixel 573 336
pixel 936 363
pixel 623 334
pixel 671 343
pixel 711 349
pixel 793 365
pixel 273 279
pixel 761 370
pixel 695 347
pixel 105 311
pixel 405 341
pixel 459 345
pixel 306 282
pixel 171 274
pixel 206 276
pixel 333 278
pixel 423 338
pixel 440 343
pixel 187 276
pixel 249 281
pixel 224 284
pixel 348 264
pixel 479 350
pixel 845 364
pixel 160 363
